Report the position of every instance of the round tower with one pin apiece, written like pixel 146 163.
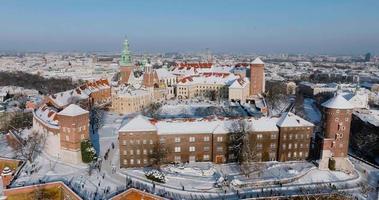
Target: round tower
pixel 337 113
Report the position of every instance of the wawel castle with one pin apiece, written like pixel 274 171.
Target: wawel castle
pixel 64 117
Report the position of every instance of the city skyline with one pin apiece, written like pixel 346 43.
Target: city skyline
pixel 320 27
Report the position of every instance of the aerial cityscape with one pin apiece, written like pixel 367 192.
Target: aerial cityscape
pixel 219 100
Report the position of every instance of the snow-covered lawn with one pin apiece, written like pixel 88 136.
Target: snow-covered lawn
pixel 205 169
pixel 316 176
pixel 177 181
pixel 193 177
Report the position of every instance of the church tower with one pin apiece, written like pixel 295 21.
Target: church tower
pixel 257 77
pixel 337 113
pixel 126 68
pixel 150 77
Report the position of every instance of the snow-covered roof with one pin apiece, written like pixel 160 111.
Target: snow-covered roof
pixel 138 124
pixel 47 115
pixel 186 127
pixel 257 61
pixel 163 73
pixel 73 110
pixel 338 102
pixel 264 124
pixel 131 91
pixel 209 78
pixel 62 99
pixel 211 125
pixel 289 119
pixel 239 83
pixel 223 127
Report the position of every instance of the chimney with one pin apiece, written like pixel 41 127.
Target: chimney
pixel 6 176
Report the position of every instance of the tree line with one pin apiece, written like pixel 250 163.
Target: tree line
pixel 37 82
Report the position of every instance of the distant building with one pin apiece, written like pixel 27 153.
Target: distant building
pixel 210 84
pixel 126 66
pixel 239 90
pixel 367 57
pixel 257 77
pixel 126 99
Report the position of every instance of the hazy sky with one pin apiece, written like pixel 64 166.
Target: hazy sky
pixel 240 26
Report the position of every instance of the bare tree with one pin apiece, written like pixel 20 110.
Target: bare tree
pixel 152 110
pixel 41 193
pixel 322 192
pixel 29 147
pixel 299 105
pixel 241 146
pixel 276 96
pixel 96 118
pixel 159 154
pixel 19 120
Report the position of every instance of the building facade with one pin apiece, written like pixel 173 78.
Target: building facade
pixel 239 90
pixel 64 121
pixel 64 131
pixel 198 140
pixel 294 138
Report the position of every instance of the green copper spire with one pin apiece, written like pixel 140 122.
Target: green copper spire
pixel 125 55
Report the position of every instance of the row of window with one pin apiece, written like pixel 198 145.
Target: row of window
pixel 193 149
pixel 137 152
pixel 260 136
pixel 206 157
pixel 260 146
pixel 138 161
pixel 337 119
pixel 295 145
pixel 297 154
pixel 193 139
pixel 68 137
pixel 132 142
pixel 296 136
pixel 79 129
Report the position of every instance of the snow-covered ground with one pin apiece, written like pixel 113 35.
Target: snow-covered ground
pixel 5 149
pixel 311 111
pixel 46 168
pixel 204 169
pixel 195 178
